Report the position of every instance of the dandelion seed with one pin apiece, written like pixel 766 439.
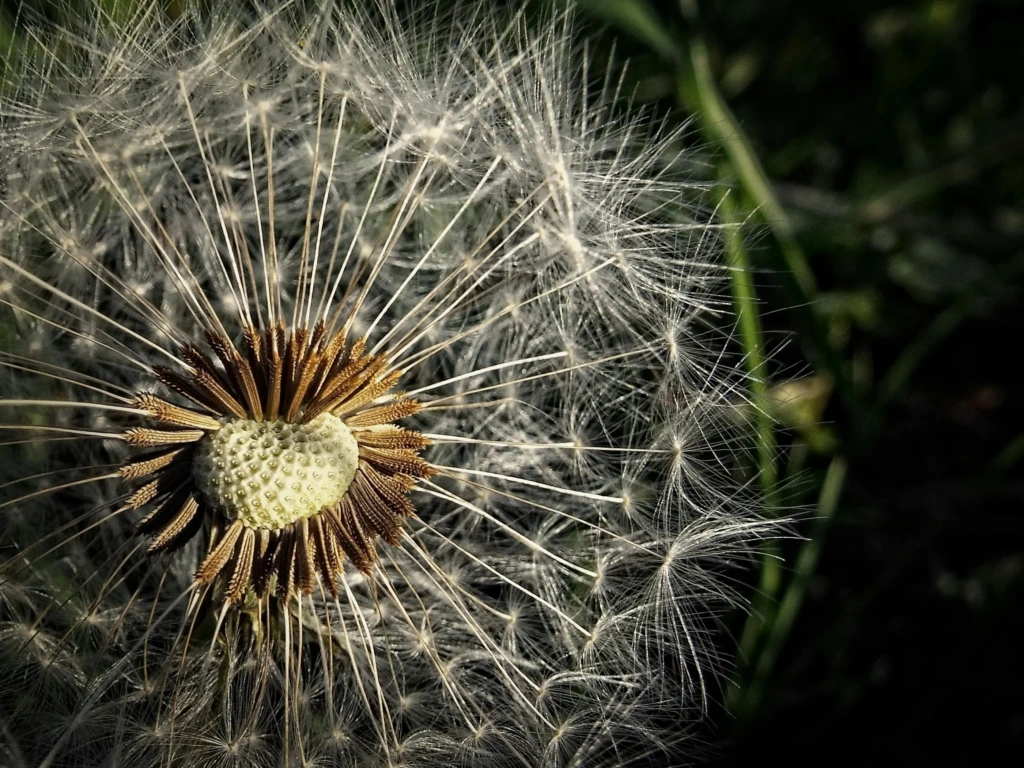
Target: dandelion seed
pixel 353 403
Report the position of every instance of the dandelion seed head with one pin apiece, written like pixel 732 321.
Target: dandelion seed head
pixel 349 362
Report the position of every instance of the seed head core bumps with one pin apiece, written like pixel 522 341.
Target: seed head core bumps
pixel 270 474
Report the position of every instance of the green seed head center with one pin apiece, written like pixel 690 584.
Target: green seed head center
pixel 270 474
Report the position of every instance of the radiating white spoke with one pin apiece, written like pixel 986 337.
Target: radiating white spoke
pixel 532 483
pixel 61 487
pixel 386 720
pixel 371 198
pixel 459 277
pixel 133 359
pixel 73 404
pixel 505 579
pixel 488 369
pixel 545 375
pixel 88 309
pixel 439 492
pixel 470 199
pixel 323 215
pixel 501 661
pixel 201 303
pixel 40 371
pixel 423 355
pixel 271 316
pixel 305 284
pixel 63 430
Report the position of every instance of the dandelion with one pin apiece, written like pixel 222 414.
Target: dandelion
pixel 362 403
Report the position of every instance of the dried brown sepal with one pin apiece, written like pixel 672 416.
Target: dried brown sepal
pixel 225 401
pixel 352 540
pixel 333 349
pixel 135 470
pixel 397 462
pixel 345 379
pixel 370 370
pixel 389 436
pixel 239 371
pixel 368 394
pixel 241 572
pixel 374 509
pixel 252 343
pixel 162 512
pixel 165 482
pixel 305 380
pixel 185 386
pixel 391 489
pixel 305 548
pixel 383 414
pixel 263 562
pixel 144 437
pixel 284 563
pixel 198 360
pixel 174 415
pixel 218 555
pixel 181 527
pixel 327 564
pixel 275 372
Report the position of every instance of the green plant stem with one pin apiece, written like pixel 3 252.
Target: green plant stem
pixel 997 150
pixel 752 340
pixel 751 337
pixel 698 93
pixel 792 600
pixel 720 121
pixel 770 620
pixel 769 623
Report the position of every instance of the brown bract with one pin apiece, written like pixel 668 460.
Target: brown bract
pixel 277 375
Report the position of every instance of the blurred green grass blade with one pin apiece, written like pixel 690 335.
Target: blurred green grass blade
pixel 768 624
pixel 637 18
pixel 752 341
pixel 699 94
pixel 718 119
pixel 751 336
pixel 1010 456
pixel 9 49
pixel 999 149
pixel 778 631
pixel 8 746
pixel 119 12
